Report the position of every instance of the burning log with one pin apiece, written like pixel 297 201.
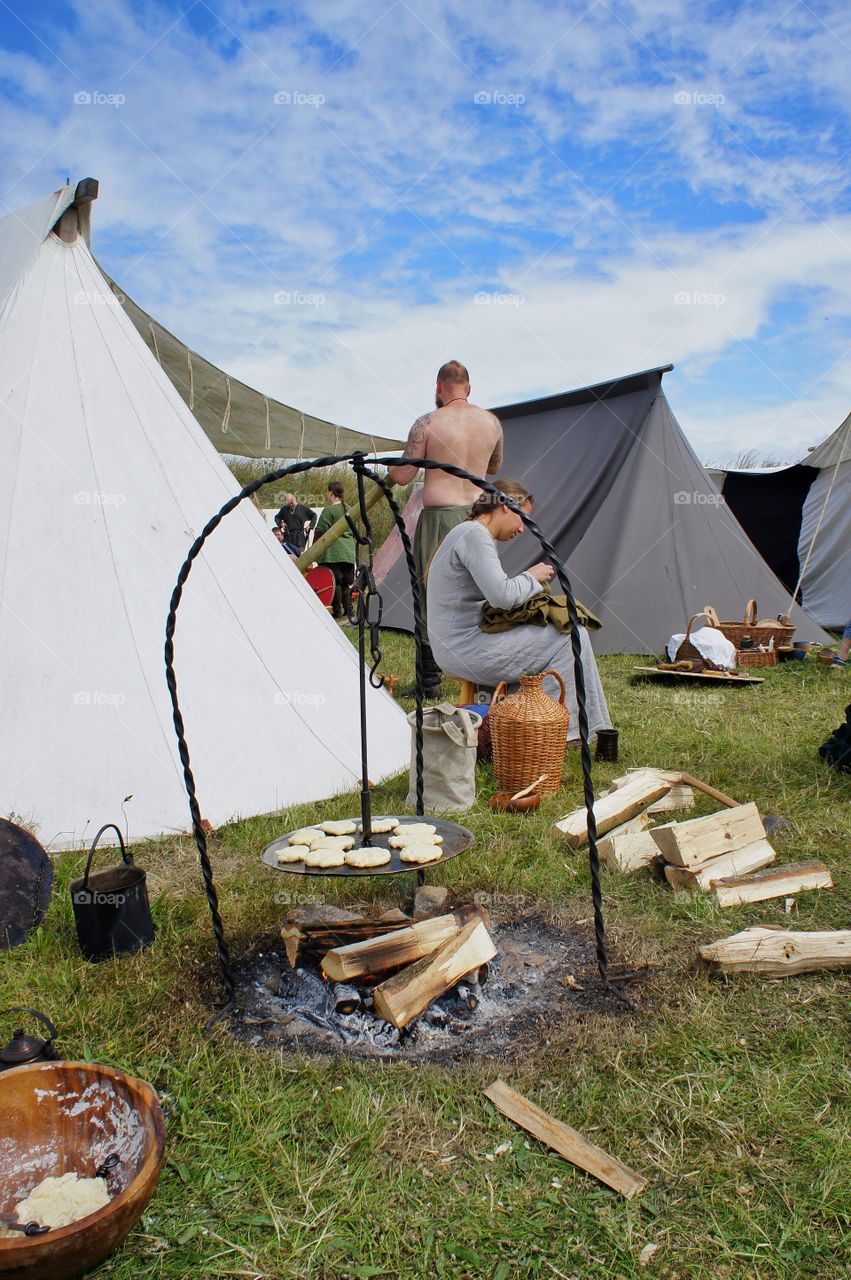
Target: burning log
pixel 393 950
pixel 614 809
pixel 318 929
pixel 407 994
pixel 779 952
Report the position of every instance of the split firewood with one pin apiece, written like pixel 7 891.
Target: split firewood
pixel 776 882
pixel 701 876
pixel 614 809
pixel 779 952
pixel 408 993
pixel 639 823
pixel 566 1141
pixel 628 852
pixel 687 843
pixel 393 950
pixel 316 930
pixel 680 795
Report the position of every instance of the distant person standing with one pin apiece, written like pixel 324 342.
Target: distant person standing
pixel 296 520
pixel 468 437
pixel 341 556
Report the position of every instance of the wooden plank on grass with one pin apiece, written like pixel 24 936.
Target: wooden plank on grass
pixel 614 809
pixel 775 882
pixel 687 843
pixel 566 1141
pixel 779 953
pixel 703 875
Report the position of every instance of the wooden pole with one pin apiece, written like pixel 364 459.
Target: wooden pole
pixel 337 529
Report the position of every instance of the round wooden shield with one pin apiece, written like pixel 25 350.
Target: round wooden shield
pixel 26 883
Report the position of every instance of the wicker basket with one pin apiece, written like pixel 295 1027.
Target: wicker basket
pixel 688 651
pixel 761 631
pixel 529 734
pixel 756 658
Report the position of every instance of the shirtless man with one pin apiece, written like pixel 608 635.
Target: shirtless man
pixel 467 436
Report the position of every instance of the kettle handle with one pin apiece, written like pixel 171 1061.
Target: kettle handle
pixel 107 826
pixel 42 1017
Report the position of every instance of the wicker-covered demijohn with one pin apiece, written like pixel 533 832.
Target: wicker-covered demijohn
pixel 529 733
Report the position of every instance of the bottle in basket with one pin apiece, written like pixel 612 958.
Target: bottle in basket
pixel 529 734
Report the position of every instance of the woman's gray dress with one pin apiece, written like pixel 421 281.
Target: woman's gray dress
pixel 466 571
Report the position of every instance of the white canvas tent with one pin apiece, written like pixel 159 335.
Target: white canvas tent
pixel 105 480
pixel 799 518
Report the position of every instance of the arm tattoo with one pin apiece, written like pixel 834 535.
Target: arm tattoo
pixel 417 437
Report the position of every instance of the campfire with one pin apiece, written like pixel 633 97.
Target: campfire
pixel 438 982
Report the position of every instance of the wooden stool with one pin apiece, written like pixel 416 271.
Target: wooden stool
pixel 468 690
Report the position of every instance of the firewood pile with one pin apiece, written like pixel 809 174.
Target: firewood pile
pixel 405 962
pixel 726 853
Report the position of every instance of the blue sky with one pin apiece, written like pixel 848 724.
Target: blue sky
pixel 330 201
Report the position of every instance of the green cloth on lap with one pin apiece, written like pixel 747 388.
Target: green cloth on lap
pixel 539 610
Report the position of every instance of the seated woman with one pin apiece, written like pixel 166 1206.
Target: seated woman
pixel 465 574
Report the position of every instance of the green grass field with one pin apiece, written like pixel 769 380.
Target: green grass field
pixel 730 1097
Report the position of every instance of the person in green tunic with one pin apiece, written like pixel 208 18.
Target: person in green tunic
pixel 341 556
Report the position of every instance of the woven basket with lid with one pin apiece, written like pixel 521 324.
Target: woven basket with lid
pixel 529 733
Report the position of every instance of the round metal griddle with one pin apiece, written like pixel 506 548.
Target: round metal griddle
pixel 455 840
pixel 26 883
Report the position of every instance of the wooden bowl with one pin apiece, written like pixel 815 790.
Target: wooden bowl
pixel 68 1117
pixel 502 801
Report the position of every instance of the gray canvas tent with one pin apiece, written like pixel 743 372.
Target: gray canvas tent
pixel 799 519
pixel 645 535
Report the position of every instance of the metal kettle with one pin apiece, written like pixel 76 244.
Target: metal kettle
pixel 23 1049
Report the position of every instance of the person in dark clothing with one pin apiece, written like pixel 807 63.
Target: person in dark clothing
pixel 341 556
pixel 296 520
